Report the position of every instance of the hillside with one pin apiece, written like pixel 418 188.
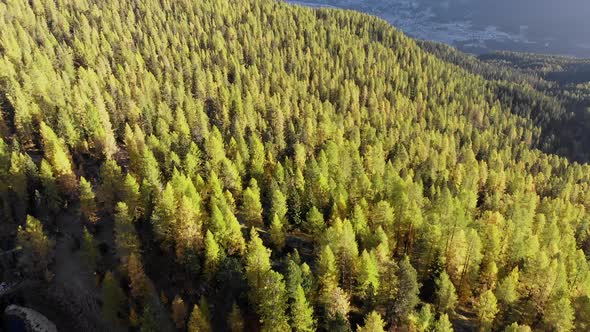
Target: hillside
pixel 553 91
pixel 252 165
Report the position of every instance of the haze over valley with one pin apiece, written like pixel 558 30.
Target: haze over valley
pixel 477 26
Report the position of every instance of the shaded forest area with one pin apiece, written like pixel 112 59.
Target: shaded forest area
pixel 255 166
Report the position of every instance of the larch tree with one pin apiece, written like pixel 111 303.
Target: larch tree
pixel 407 291
pixel 251 209
pixel 486 308
pixel 126 240
pixel 368 275
pixel 179 312
pixel 87 200
pixel 213 254
pixel 200 320
pixel 278 205
pixel 235 320
pixel 113 298
pixel 277 233
pixel 164 217
pixel 138 281
pixel 314 222
pixel 302 319
pixel 446 295
pixel 51 190
pixel 443 324
pixel 37 248
pixel 373 323
pixel 131 195
pixel 89 249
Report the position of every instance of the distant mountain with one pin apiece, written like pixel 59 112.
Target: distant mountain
pixel 478 26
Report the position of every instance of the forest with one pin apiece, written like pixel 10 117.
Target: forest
pixel 552 90
pixel 250 165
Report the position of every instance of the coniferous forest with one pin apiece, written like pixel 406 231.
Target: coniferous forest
pixel 249 165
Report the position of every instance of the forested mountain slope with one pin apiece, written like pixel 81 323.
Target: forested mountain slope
pixel 554 91
pixel 251 165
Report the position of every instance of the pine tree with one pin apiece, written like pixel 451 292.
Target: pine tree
pixel 423 322
pixel 131 196
pixel 187 232
pixel 179 312
pixel 200 319
pixel 89 249
pixel 443 324
pixel 212 254
pixel 257 261
pixel 337 310
pixel 126 240
pixel 327 273
pixel 279 205
pixel 368 276
pixel 138 281
pixel 277 233
pixel 113 298
pixel 507 290
pixel 559 314
pixel 301 312
pixel 486 308
pixel 50 188
pixel 314 222
pixel 235 239
pixel 373 323
pixel 514 327
pixel 154 317
pixel 164 217
pixel 445 294
pixel 55 151
pixel 110 182
pixel 407 290
pixel 235 320
pixel 251 209
pixel 293 274
pixel 87 200
pixel 37 248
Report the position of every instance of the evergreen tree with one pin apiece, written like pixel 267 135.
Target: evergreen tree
pixel 235 320
pixel 87 200
pixel 200 319
pixel 373 323
pixel 131 196
pixel 89 249
pixel 314 222
pixel 110 181
pixel 279 205
pixel 443 324
pixel 251 209
pixel 445 294
pixel 277 233
pixel 164 216
pixel 179 312
pixel 486 309
pixel 514 327
pixel 407 291
pixel 51 191
pixel 126 240
pixel 212 254
pixel 113 298
pixel 37 248
pixel 368 276
pixel 272 303
pixel 301 312
pixel 138 281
